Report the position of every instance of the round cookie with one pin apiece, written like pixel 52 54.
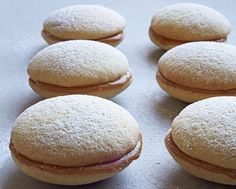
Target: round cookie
pixel 91 22
pixel 186 22
pixel 202 139
pixel 198 70
pixel 74 139
pixel 79 67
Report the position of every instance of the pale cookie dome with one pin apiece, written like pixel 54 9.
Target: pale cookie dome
pixel 206 130
pixel 190 22
pixel 84 22
pixel 78 63
pixel 201 65
pixel 75 130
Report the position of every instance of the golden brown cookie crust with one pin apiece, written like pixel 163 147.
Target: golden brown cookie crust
pixel 111 40
pixel 105 90
pixel 105 167
pixel 161 78
pixel 169 142
pixel 167 43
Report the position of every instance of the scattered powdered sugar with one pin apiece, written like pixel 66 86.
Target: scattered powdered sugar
pixel 4 140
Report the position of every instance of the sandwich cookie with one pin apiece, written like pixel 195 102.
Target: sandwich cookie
pixel 74 140
pixel 93 22
pixel 79 67
pixel 198 70
pixel 186 22
pixel 202 139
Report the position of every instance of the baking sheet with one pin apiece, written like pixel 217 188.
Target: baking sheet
pixel 20 26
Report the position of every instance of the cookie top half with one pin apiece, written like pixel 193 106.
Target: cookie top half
pixel 84 22
pixel 190 22
pixel 201 65
pixel 206 130
pixel 78 63
pixel 75 130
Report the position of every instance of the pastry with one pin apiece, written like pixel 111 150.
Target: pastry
pixel 74 140
pixel 91 22
pixel 202 139
pixel 186 22
pixel 198 70
pixel 79 67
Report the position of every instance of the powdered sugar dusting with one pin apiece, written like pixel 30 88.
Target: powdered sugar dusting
pixel 202 65
pixel 188 22
pixel 84 22
pixel 75 130
pixel 78 63
pixel 206 130
pixel 4 140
